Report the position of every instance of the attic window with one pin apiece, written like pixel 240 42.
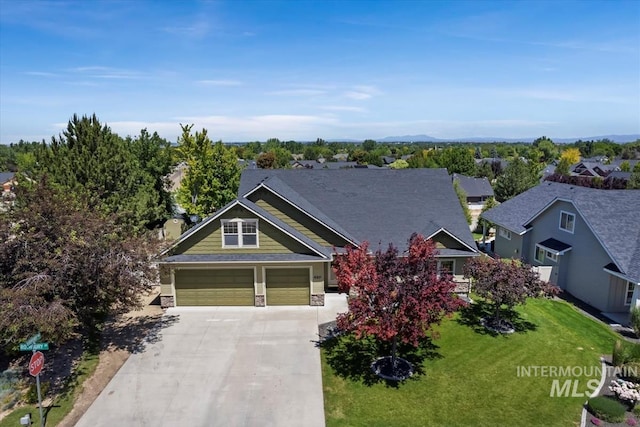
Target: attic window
pixel 240 233
pixel 567 221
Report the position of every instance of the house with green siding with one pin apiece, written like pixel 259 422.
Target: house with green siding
pixel 274 244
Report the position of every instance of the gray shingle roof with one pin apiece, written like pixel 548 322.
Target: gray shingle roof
pixel 379 206
pixel 611 214
pixel 6 176
pixel 474 187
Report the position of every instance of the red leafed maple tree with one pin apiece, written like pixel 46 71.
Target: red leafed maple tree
pixel 394 296
pixel 505 283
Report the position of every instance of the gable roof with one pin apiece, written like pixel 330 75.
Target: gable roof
pixel 379 206
pixel 474 187
pixel 6 176
pixel 258 211
pixel 611 215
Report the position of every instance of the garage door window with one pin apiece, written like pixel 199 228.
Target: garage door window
pixel 240 233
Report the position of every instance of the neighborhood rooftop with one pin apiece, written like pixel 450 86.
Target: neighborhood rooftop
pixel 611 214
pixel 378 206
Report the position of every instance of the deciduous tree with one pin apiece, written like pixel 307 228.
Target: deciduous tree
pixel 394 297
pixel 212 176
pixel 65 266
pixel 505 283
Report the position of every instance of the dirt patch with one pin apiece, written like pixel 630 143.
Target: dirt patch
pixel 123 336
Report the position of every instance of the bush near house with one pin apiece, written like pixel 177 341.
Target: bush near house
pixel 607 409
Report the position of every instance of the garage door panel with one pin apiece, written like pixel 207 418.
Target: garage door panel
pixel 288 286
pixel 226 287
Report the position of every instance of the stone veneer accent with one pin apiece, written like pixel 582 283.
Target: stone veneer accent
pixel 260 302
pixel 167 301
pixel 317 300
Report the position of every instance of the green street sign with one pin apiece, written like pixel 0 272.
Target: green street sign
pixel 26 346
pixel 34 339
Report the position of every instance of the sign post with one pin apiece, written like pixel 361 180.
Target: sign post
pixel 35 367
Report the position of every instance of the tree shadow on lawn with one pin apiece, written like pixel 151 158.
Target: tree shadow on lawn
pixel 472 316
pixel 351 358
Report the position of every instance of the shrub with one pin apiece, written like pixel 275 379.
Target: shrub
pixel 635 320
pixel 636 410
pixel 625 352
pixel 32 392
pixel 607 409
pixel 631 370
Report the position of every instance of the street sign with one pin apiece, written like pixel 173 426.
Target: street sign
pixel 34 339
pixel 36 363
pixel 35 346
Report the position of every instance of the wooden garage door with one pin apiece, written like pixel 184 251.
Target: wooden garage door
pixel 288 286
pixel 214 287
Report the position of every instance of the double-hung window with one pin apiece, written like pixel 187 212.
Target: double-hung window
pixel 505 233
pixel 567 221
pixel 446 267
pixel 539 256
pixel 240 233
pixel 629 294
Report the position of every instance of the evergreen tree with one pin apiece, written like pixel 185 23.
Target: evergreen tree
pixel 517 178
pixel 89 160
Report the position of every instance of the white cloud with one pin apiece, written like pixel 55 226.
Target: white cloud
pixel 297 92
pixel 40 74
pixel 362 92
pixel 343 108
pixel 219 82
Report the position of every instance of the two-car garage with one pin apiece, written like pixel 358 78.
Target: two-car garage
pixel 237 286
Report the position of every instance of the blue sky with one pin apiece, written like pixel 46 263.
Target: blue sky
pixel 252 70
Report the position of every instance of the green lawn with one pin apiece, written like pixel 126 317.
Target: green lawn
pixel 63 404
pixel 474 380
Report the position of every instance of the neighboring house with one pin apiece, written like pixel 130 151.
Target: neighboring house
pixel 274 245
pixel 315 164
pixel 589 237
pixel 8 181
pixel 478 191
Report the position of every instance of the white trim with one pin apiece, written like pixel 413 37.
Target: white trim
pixel 504 233
pixel 573 221
pixel 453 237
pixel 275 193
pixel 597 236
pixel 620 275
pixel 439 266
pixel 626 293
pixel 240 234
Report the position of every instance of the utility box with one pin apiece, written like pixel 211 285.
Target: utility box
pixel 26 420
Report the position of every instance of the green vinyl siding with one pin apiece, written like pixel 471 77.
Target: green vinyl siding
pixel 208 240
pixel 296 219
pixel 444 240
pixel 213 287
pixel 288 286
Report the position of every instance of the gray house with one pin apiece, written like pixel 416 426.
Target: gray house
pixel 275 243
pixel 589 237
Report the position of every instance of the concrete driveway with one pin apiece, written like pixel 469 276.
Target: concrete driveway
pixel 222 366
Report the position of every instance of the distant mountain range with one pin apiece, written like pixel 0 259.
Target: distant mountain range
pixel 482 139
